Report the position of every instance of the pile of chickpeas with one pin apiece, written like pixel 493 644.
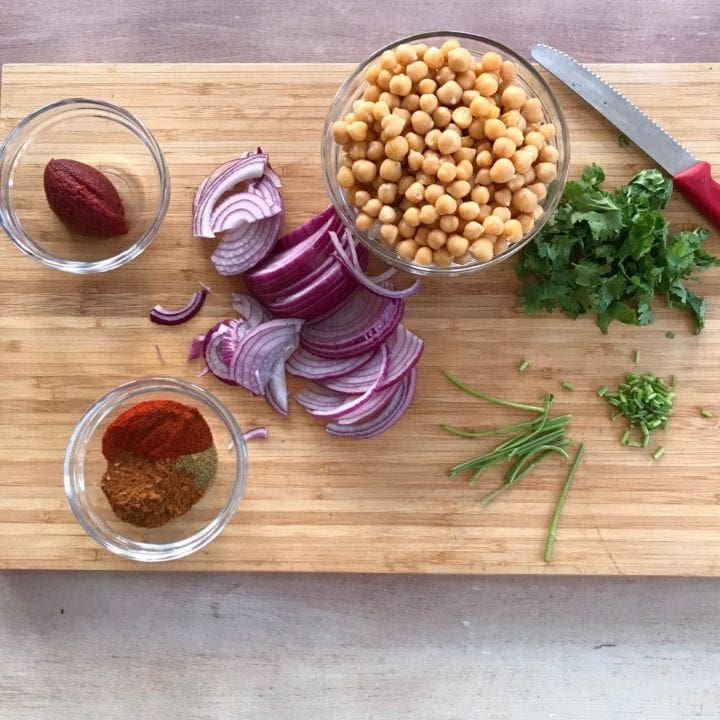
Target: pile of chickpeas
pixel 445 157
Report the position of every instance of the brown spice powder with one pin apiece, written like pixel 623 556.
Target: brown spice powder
pixel 148 494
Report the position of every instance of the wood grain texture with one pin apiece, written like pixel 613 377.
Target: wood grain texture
pixel 317 31
pixel 318 504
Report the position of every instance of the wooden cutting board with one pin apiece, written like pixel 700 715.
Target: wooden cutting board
pixel 315 503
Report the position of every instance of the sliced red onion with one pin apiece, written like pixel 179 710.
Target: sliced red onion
pixel 244 247
pixel 239 208
pixel 231 338
pixel 405 350
pixel 163 316
pixel 196 347
pixel 322 402
pixel 387 417
pixel 302 363
pixel 265 188
pixel 377 402
pixel 257 433
pixel 259 350
pixel 360 325
pixel 220 181
pixel 212 352
pixel 276 392
pixel 296 236
pixel 159 354
pixel 352 266
pixel 251 309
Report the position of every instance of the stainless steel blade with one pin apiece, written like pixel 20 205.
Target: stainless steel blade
pixel 624 115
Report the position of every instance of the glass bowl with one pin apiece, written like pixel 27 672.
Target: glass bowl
pixel 85 465
pixel 108 138
pixel 351 90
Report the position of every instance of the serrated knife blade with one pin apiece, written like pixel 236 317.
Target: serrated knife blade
pixel 691 176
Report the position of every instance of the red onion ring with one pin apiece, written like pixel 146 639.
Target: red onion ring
pixel 164 316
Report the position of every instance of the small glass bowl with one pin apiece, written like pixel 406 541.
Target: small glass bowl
pixel 85 466
pixel 108 138
pixel 351 90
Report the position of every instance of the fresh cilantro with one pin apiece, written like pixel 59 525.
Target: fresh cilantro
pixel 623 140
pixel 610 253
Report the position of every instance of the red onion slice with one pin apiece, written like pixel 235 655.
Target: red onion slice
pixel 276 392
pixel 244 247
pixel 256 433
pixel 231 339
pixel 322 402
pixel 307 229
pixel 387 417
pixel 265 188
pixel 163 316
pixel 302 363
pixel 220 181
pixel 251 309
pixel 377 402
pixel 352 266
pixel 259 350
pixel 239 208
pixel 196 347
pixel 360 325
pixel 212 352
pixel 405 350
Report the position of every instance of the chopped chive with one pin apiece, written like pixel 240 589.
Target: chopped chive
pixel 523 366
pixel 625 437
pixel 552 533
pixel 634 443
pixel 658 453
pixel 673 380
pixel 567 385
pixel 637 357
pixel 490 398
pixel 670 334
pixel 707 413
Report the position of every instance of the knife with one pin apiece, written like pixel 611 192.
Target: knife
pixel 691 176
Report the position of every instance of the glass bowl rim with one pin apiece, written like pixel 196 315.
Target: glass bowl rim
pixel 143 133
pixel 391 258
pixel 89 423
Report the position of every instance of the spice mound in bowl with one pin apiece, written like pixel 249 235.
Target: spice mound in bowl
pixel 161 459
pixel 446 153
pixel 155 469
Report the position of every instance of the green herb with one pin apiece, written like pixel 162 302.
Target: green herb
pixel 670 334
pixel 484 396
pixel 609 253
pixel 523 366
pixel 673 381
pixel 602 391
pixel 552 533
pixel 658 453
pixel 637 357
pixel 707 413
pixel 623 140
pixel 567 385
pixel 625 437
pixel 645 401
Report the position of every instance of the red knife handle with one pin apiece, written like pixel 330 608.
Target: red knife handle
pixel 697 185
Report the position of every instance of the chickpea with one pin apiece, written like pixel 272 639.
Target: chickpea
pixel 486 84
pixel 548 131
pixel 539 189
pixel 405 54
pixel 469 210
pixel 460 60
pixel 392 101
pixel 450 93
pixel 364 171
pixel 405 182
pixel 524 200
pixel 434 58
pixel 483 177
pixel 526 221
pixel 485 211
pixel 444 75
pixel 410 102
pixel 462 117
pixel 522 161
pixel 466 154
pixel 340 133
pixel 446 204
pixel 502 212
pixel 466 80
pixel 515 183
pixel 387 214
pixel 513 97
pixel 362 197
pixel 515 134
pixel 464 170
pixel 417 70
pixel 433 192
pixel 532 110
pixel 457 245
pixel 372 72
pixel 357 130
pixel 513 231
pixel 351 193
pixel 503 147
pixel 494 129
pixel 537 212
pixel 375 151
pixel 412 217
pixel 442 258
pixel 427 86
pixel 425 179
pixel 491 61
pixel 476 130
pixel 406 249
pixel 449 45
pixel 364 111
pixel 473 230
pixel 364 221
pixel 388 60
pixel 389 233
pixel 428 102
pixel 392 125
pixel 469 96
pixel 406 231
pixel 428 214
pixel 493 225
pixel 380 110
pixel 500 246
pixel 372 207
pixel 459 189
pixel 549 154
pixel 480 195
pixel 386 193
pixel 345 177
pixel 421 122
pixel 400 85
pixel 501 171
pixel 508 71
pixel 414 160
pixel 436 239
pixel 446 172
pixel 493 112
pixel 449 223
pixel 431 164
pixel 535 139
pixel 357 150
pixel 424 256
pixel 383 79
pixel 480 107
pixel 415 193
pixel 402 113
pixel 449 142
pixel 397 148
pixel 482 250
pixel 390 170
pixel 421 234
pixel 531 150
pixel 484 159
pixel 545 172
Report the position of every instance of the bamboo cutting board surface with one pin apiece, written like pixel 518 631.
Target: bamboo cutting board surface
pixel 314 503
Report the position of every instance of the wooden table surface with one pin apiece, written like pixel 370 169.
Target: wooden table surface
pixel 253 646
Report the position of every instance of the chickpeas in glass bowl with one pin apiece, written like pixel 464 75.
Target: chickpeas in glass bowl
pixel 445 153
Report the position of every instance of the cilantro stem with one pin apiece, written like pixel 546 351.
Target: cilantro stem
pixel 484 396
pixel 552 533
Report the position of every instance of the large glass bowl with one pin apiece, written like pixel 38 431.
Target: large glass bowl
pixel 85 465
pixel 100 134
pixel 527 77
